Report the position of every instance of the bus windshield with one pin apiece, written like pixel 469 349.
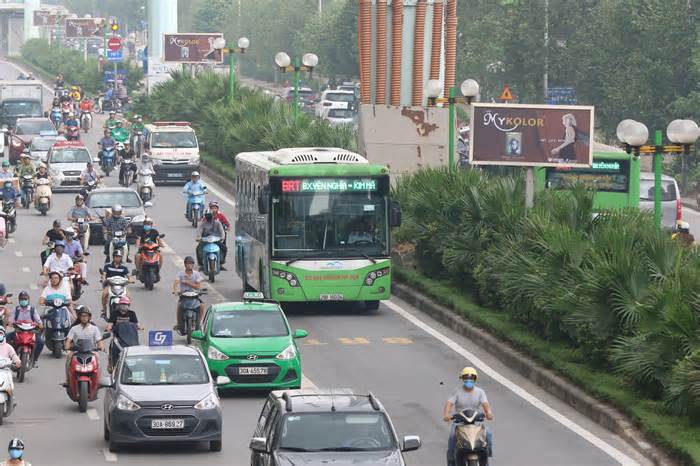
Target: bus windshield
pixel 330 224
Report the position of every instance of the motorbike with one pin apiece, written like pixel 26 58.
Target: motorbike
pixel 195 206
pixel 3 230
pixel 10 211
pixel 73 133
pixel 66 108
pixel 7 403
pixel 56 326
pixel 56 117
pixel 76 280
pixel 89 186
pixel 107 159
pixel 4 310
pixel 137 143
pixel 86 121
pixel 119 242
pixel 211 257
pixel 124 334
pixel 82 229
pixel 27 187
pixel 189 306
pixel 24 344
pixel 471 446
pixel 42 200
pixel 84 373
pixel 117 289
pixel 150 263
pixel 145 185
pixel 128 169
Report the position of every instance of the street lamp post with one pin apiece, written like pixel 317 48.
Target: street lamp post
pixel 243 44
pixel 308 62
pixel 469 89
pixel 634 135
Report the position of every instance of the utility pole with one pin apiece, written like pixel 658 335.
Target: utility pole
pixel 545 78
pixel 320 8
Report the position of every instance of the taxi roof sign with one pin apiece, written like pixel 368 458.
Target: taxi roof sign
pixel 160 338
pixel 253 296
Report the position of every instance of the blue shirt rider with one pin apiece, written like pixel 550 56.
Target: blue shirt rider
pixel 8 192
pixel 106 141
pixel 72 121
pixel 193 186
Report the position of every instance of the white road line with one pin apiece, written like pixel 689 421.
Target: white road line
pixel 19 254
pixel 92 414
pixel 26 270
pixel 513 387
pixel 109 456
pixel 221 196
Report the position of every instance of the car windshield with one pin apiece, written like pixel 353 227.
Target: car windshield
pixel 174 139
pixel 70 156
pixel 42 144
pixel 330 431
pixel 340 97
pixel 22 108
pixel 248 324
pixel 34 127
pixel 164 369
pixel 646 190
pixel 340 113
pixel 108 199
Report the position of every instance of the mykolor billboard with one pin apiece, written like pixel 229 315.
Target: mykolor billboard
pixel 531 135
pixel 191 48
pixel 77 28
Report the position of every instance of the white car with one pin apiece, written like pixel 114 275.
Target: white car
pixel 340 117
pixel 40 145
pixel 334 99
pixel 66 161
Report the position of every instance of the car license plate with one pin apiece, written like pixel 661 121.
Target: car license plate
pixel 332 297
pixel 174 175
pixel 167 424
pixel 252 371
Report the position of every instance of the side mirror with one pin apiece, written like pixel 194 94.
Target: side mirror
pixel 411 443
pixel 148 204
pixel 395 214
pixel 197 335
pixel 95 160
pixel 258 444
pixel 106 381
pixel 106 335
pixel 263 201
pixel 222 380
pixel 46 114
pixel 300 333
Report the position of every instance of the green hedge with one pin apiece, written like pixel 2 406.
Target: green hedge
pixel 619 292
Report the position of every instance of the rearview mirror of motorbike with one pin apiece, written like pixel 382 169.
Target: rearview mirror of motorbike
pixel 162 235
pixel 411 442
pixel 106 381
pixel 106 335
pixel 197 335
pixel 148 204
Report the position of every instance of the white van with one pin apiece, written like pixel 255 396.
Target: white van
pixel 173 149
pixel 671 206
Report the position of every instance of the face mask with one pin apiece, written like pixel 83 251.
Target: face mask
pixel 2 338
pixel 147 228
pixel 469 384
pixel 15 454
pixel 24 302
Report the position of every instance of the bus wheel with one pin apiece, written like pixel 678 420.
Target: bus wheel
pixel 371 305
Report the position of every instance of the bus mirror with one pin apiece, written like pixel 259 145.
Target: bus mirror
pixel 263 201
pixel 395 214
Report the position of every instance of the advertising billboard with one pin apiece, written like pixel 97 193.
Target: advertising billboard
pixel 531 135
pixel 48 18
pixel 191 48
pixel 77 28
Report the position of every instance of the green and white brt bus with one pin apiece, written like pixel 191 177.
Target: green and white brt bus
pixel 313 224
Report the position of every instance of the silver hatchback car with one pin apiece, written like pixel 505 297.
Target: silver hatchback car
pixel 671 206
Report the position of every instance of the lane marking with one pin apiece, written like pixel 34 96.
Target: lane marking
pixel 353 341
pixel 92 414
pixel 26 270
pixel 513 387
pixel 109 456
pixel 313 342
pixel 19 254
pixel 397 340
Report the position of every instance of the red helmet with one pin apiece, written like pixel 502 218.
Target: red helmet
pixel 124 300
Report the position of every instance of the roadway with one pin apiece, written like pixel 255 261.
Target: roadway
pixel 407 360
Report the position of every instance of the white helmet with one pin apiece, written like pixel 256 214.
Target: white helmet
pixel 120 146
pixel 117 208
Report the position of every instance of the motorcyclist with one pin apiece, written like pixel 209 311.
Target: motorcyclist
pixel 72 121
pixel 127 153
pixel 16 450
pixel 146 165
pixel 25 167
pixel 119 133
pixel 75 94
pixel 137 126
pixel 42 172
pixel 149 233
pixel 466 396
pixel 86 105
pixel 83 329
pixel 74 250
pixel 194 185
pixel 187 280
pixel 8 352
pixel 218 215
pixel 115 222
pixel 210 227
pixel 27 313
pixel 5 172
pixel 79 210
pixel 116 268
pixel 60 81
pixel 9 193
pixel 58 260
pixel 106 141
pixel 683 234
pixel 111 122
pixel 123 314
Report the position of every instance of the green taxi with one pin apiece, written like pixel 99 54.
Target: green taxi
pixel 250 342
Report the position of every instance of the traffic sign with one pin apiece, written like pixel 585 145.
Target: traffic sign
pixel 506 95
pixel 114 43
pixel 115 55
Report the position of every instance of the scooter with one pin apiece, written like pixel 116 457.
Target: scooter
pixel 56 326
pixel 124 334
pixel 195 206
pixel 118 242
pixel 82 229
pixel 7 403
pixel 145 185
pixel 66 108
pixel 89 186
pixel 150 264
pixel 211 257
pixel 84 373
pixel 10 212
pixel 27 187
pixel 42 200
pixel 76 280
pixel 56 117
pixel 73 133
pixel 137 143
pixel 107 160
pixel 86 121
pixel 3 230
pixel 189 306
pixel 127 170
pixel 117 289
pixel 471 446
pixel 24 344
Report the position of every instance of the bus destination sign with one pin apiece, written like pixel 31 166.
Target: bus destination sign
pixel 306 185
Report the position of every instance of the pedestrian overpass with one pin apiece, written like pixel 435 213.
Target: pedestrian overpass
pixel 11 29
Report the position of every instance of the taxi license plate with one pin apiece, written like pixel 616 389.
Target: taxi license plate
pixel 174 175
pixel 252 371
pixel 332 297
pixel 167 424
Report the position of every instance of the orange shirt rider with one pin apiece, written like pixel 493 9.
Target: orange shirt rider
pixel 86 105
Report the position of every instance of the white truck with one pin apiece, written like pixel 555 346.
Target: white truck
pixel 20 99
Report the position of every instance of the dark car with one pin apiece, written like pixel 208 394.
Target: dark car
pixel 101 199
pixel 21 136
pixel 316 427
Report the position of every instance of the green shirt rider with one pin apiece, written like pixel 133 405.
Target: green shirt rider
pixel 112 121
pixel 25 167
pixel 120 134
